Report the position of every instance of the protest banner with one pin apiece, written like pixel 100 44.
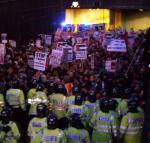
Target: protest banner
pixel 80 51
pixel 117 45
pixel 55 58
pixel 2 54
pixel 40 61
pixel 111 65
pixel 12 43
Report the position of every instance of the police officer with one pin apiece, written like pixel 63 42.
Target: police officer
pixel 132 124
pixel 104 127
pixel 76 132
pixel 52 134
pixel 31 94
pixel 123 103
pixel 77 108
pixel 9 132
pixel 58 102
pixel 112 110
pixel 16 100
pixel 90 106
pixel 38 97
pixel 71 99
pixel 37 124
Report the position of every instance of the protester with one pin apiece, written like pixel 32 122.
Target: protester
pixel 72 77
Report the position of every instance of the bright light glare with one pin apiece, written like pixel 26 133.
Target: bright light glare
pixel 75 4
pixel 86 23
pixel 63 24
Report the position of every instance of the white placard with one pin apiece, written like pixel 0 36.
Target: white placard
pixel 117 45
pixel 40 61
pixel 55 58
pixel 80 51
pixel 2 54
pixel 111 65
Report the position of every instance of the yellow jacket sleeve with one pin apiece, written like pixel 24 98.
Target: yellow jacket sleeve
pixel 22 100
pixel 123 125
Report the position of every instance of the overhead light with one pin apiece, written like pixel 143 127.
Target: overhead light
pixel 141 10
pixel 75 4
pixel 63 24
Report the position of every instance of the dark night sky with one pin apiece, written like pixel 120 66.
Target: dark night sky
pixel 26 18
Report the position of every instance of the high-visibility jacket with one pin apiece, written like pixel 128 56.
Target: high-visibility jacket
pixel 131 127
pixel 59 105
pixel 115 115
pixel 2 102
pixel 104 127
pixel 11 136
pixel 35 129
pixel 53 136
pixel 122 107
pixel 70 100
pixel 15 98
pixel 76 109
pixel 34 99
pixel 74 135
pixel 90 109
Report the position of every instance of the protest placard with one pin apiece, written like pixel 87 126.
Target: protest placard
pixel 67 54
pixel 40 61
pixel 55 58
pixel 2 54
pixel 80 51
pixel 111 65
pixel 117 45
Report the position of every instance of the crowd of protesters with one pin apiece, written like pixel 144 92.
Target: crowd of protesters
pixel 125 83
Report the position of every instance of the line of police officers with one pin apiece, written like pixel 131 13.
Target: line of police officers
pixel 73 119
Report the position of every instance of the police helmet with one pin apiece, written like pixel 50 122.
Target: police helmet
pixel 52 121
pixel 132 105
pixel 50 87
pixel 75 89
pixel 76 121
pixel 78 99
pixel 6 115
pixel 39 87
pixel 104 93
pixel 61 89
pixel 92 96
pixel 33 83
pixel 41 110
pixel 104 104
pixel 13 83
pixel 2 87
pixel 113 104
